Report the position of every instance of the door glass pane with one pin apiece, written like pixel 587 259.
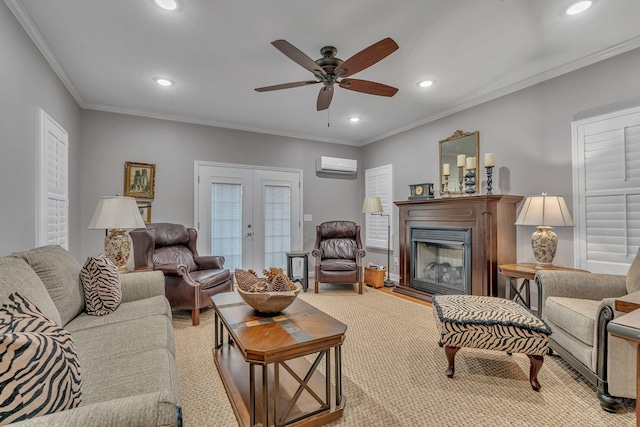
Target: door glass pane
pixel 277 225
pixel 226 223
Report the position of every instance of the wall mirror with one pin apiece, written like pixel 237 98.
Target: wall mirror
pixel 452 149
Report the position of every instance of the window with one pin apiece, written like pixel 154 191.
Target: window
pixel 378 183
pixel 52 216
pixel 606 169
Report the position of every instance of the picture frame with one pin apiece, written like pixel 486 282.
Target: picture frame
pixel 144 206
pixel 139 180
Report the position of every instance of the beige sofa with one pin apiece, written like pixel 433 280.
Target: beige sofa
pixel 127 358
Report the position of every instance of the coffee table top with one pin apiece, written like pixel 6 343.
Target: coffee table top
pixel 298 330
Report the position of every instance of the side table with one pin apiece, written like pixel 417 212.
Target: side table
pixel 527 272
pixel 304 280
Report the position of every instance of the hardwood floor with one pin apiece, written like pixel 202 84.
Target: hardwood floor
pixel 390 291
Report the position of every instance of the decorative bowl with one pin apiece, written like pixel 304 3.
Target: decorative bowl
pixel 269 302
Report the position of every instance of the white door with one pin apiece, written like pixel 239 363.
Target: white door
pixel 249 216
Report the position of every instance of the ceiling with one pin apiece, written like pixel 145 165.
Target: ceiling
pixel 108 52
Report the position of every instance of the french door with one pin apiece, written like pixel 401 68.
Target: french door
pixel 250 216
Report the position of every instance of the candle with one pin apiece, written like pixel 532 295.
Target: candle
pixel 446 169
pixel 471 162
pixel 488 160
pixel 461 159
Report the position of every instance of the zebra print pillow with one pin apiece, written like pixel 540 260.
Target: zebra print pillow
pixel 39 368
pixel 101 283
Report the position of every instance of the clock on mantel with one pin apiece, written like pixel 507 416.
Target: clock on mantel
pixel 421 191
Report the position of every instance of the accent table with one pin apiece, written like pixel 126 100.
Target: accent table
pixel 527 272
pixel 287 387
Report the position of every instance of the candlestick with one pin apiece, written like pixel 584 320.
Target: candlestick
pixel 489 179
pixel 470 181
pixel 488 160
pixel 445 186
pixel 461 177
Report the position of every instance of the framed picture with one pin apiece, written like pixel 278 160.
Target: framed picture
pixel 139 180
pixel 144 206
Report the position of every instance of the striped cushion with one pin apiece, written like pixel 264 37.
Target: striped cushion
pixel 39 368
pixel 489 323
pixel 101 283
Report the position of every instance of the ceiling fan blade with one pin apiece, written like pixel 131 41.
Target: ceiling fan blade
pixel 286 85
pixel 324 98
pixel 365 86
pixel 366 57
pixel 298 56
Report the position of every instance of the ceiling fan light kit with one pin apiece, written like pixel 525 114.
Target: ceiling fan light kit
pixel 330 70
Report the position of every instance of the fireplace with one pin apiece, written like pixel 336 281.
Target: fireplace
pixel 441 260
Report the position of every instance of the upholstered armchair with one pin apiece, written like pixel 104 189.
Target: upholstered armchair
pixel 338 252
pixel 578 307
pixel 190 279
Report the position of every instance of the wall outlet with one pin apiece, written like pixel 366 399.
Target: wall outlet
pixel 395 261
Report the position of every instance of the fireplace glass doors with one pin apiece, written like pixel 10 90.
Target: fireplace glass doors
pixel 441 260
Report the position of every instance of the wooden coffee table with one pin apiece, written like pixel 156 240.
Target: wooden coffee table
pixel 269 350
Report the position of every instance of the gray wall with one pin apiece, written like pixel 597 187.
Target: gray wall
pixel 109 140
pixel 27 83
pixel 530 133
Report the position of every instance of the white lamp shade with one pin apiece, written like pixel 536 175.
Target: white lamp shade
pixel 372 205
pixel 116 212
pixel 545 210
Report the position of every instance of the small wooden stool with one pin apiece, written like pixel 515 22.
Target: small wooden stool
pixel 492 324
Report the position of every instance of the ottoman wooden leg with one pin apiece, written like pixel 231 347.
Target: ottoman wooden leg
pixel 451 355
pixel 536 364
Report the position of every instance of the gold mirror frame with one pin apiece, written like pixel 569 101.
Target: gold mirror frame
pixel 467 143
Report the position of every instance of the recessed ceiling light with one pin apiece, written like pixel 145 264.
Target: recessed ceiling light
pixel 425 83
pixel 167 4
pixel 354 119
pixel 162 81
pixel 578 7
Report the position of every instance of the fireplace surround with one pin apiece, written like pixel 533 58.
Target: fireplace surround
pixel 438 233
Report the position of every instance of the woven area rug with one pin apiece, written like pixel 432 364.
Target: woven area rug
pixel 393 374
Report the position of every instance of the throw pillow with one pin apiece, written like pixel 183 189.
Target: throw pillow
pixel 101 283
pixel 633 276
pixel 39 367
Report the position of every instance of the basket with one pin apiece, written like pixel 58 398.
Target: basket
pixel 373 277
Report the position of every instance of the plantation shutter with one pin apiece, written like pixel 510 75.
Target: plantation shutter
pixel 378 183
pixel 53 184
pixel 607 191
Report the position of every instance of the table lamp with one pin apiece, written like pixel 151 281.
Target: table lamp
pixel 373 206
pixel 117 213
pixel 545 212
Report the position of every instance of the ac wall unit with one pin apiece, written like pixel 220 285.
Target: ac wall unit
pixel 336 165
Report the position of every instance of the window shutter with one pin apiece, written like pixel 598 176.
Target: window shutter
pixel 53 191
pixel 378 183
pixel 607 191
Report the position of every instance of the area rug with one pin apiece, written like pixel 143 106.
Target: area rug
pixel 393 374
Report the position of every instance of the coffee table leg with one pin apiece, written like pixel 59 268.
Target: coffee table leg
pixel 536 364
pixel 252 394
pixel 265 395
pixel 338 369
pixel 451 355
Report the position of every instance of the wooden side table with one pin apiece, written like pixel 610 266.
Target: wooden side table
pixel 527 272
pixel 304 280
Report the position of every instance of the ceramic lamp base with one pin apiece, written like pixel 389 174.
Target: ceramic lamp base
pixel 544 242
pixel 117 246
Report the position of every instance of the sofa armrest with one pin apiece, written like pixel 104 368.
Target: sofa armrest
pixel 152 409
pixel 140 285
pixel 209 262
pixel 574 284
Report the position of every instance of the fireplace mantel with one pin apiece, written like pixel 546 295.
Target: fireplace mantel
pixel 491 219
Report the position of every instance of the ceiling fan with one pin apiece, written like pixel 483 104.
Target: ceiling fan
pixel 330 70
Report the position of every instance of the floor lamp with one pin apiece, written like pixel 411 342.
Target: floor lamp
pixel 373 206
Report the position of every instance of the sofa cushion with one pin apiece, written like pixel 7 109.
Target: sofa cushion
pixel 16 275
pixel 633 276
pixel 138 309
pixel 101 284
pixel 576 316
pixel 60 273
pixel 39 368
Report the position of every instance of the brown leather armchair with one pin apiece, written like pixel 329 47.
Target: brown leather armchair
pixel 338 251
pixel 190 279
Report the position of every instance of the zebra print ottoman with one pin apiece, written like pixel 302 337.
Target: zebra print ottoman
pixel 493 324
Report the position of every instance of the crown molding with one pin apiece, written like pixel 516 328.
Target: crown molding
pixel 30 27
